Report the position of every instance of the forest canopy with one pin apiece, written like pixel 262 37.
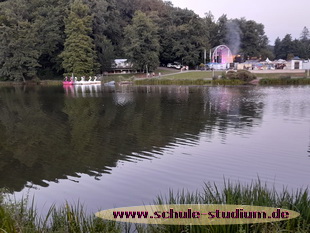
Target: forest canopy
pixel 51 38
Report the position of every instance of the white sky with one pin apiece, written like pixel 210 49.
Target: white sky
pixel 280 17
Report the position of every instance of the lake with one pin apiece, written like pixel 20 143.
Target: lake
pixel 120 146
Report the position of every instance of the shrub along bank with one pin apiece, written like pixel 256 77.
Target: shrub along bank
pixel 284 80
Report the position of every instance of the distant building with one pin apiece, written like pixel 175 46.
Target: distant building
pixel 122 66
pixel 296 63
pixel 306 64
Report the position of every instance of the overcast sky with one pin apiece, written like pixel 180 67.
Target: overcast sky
pixel 280 17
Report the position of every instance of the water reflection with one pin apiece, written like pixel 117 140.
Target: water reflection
pixel 46 136
pixel 53 133
pixel 82 90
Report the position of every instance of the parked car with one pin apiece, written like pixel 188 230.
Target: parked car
pixel 175 65
pixel 178 66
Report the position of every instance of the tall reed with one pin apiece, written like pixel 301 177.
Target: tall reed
pixel 256 194
pixel 22 217
pixel 285 80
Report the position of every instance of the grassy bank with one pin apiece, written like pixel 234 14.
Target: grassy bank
pixel 51 82
pixel 176 77
pixel 280 75
pixel 9 83
pixel 44 82
pixel 164 71
pixel 165 81
pixel 284 80
pixel 194 75
pixel 16 217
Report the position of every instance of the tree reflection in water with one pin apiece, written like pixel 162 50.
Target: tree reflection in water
pixel 50 133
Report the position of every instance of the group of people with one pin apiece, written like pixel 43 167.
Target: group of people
pixel 152 74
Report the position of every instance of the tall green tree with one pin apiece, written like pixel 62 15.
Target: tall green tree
pixel 277 47
pixel 211 29
pixel 253 38
pixel 304 44
pixel 183 37
pixel 221 30
pixel 305 34
pixel 286 48
pixel 18 42
pixel 79 56
pixel 105 52
pixel 142 43
pixel 191 41
pixel 48 17
pixel 106 31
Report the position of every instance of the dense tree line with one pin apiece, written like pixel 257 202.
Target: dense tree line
pixel 49 38
pixel 287 48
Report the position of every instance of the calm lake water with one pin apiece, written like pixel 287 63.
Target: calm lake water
pixel 110 147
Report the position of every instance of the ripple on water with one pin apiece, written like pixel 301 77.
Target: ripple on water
pixel 144 142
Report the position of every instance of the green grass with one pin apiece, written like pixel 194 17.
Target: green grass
pixel 256 194
pixel 166 71
pixel 117 78
pixel 18 217
pixel 44 82
pixel 163 71
pixel 279 75
pixel 51 82
pixel 166 81
pixel 192 78
pixel 129 77
pixel 193 75
pixel 189 78
pixel 120 75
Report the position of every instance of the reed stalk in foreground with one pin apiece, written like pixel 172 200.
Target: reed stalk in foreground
pixel 18 217
pixel 255 194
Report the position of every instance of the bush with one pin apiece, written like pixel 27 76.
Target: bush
pixel 224 75
pixel 245 75
pixel 285 77
pixel 231 75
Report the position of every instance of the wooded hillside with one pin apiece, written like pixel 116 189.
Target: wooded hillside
pixel 49 38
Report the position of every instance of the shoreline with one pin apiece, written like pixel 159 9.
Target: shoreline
pixel 191 77
pixel 22 216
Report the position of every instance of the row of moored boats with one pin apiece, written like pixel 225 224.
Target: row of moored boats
pixel 83 81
